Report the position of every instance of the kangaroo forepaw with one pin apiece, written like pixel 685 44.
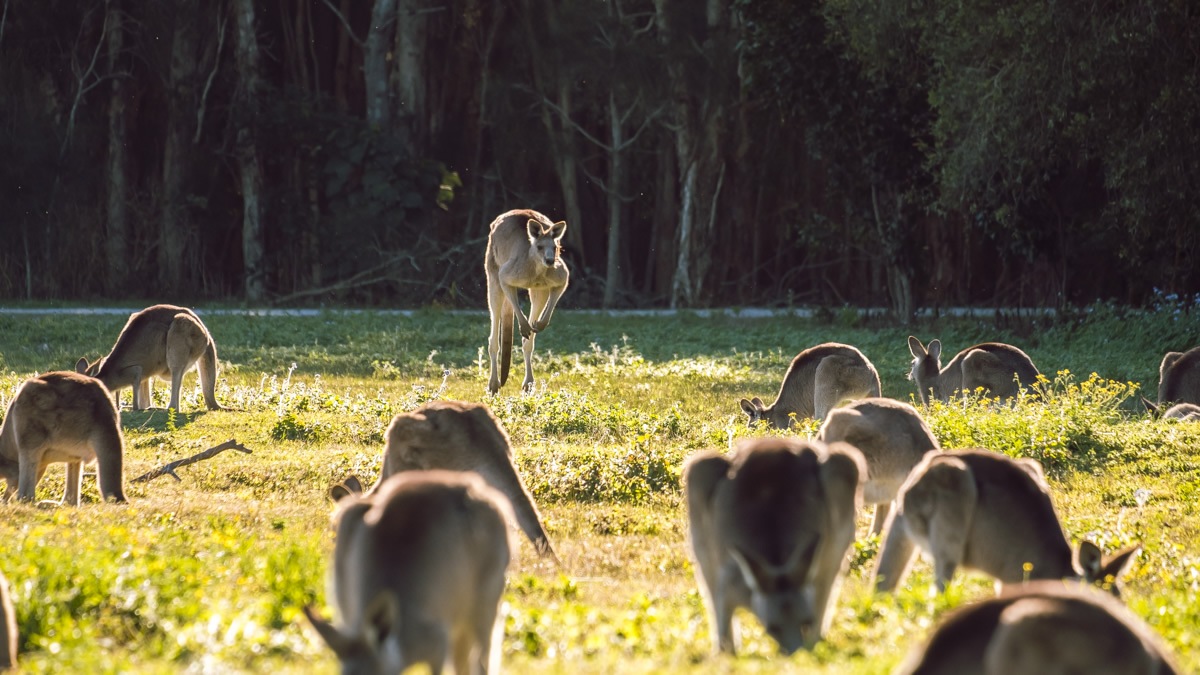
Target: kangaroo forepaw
pixel 526 331
pixel 539 326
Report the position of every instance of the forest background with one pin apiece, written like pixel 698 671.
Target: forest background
pixel 751 152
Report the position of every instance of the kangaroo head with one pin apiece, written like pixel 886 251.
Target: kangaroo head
pixel 372 652
pixel 1101 571
pixel 926 365
pixel 780 595
pixel 755 409
pixel 546 239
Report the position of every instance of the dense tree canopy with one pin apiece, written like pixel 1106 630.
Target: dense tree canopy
pixel 905 154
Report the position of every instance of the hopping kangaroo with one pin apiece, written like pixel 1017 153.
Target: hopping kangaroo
pixel 457 436
pixel 160 341
pixel 768 529
pixel 991 365
pixel 8 627
pixel 1042 628
pixel 1178 383
pixel 819 379
pixel 522 252
pixel 986 511
pixel 418 571
pixel 892 438
pixel 61 417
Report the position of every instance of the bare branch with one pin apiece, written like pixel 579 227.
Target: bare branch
pixel 169 469
pixel 208 83
pixel 349 30
pixel 91 69
pixel 3 20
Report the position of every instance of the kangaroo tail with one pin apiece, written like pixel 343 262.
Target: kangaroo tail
pixel 208 375
pixel 507 316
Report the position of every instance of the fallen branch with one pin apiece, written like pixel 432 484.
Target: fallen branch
pixel 169 469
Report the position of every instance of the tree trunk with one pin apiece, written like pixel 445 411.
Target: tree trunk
pixel 612 284
pixel 249 87
pixel 375 64
pixel 341 67
pixel 175 228
pixel 408 77
pixel 899 279
pixel 116 239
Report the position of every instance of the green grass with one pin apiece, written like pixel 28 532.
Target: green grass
pixel 209 574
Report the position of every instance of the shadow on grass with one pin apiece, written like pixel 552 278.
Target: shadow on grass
pixel 158 419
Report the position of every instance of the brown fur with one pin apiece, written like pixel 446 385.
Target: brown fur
pixel 818 379
pixel 768 529
pixel 989 512
pixel 418 573
pixel 8 627
pixel 458 436
pixel 1179 378
pixel 892 438
pixel 522 252
pixel 61 417
pixel 991 365
pixel 1042 628
pixel 162 341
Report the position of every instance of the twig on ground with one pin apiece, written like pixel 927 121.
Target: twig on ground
pixel 169 469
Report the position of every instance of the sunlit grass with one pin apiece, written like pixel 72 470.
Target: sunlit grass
pixel 208 575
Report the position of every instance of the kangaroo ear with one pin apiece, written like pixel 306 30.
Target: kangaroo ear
pixel 748 407
pixel 558 229
pixel 338 492
pixel 1114 568
pixel 1089 558
pixel 935 349
pixel 758 403
pixel 1151 408
pixel 382 617
pixel 533 228
pixel 81 366
pixel 353 484
pixel 915 347
pixel 339 643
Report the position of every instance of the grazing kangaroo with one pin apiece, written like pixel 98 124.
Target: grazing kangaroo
pixel 8 627
pixel 768 529
pixel 457 436
pixel 61 417
pixel 1178 382
pixel 522 252
pixel 991 365
pixel 892 438
pixel 418 572
pixel 160 341
pixel 819 379
pixel 1042 628
pixel 986 511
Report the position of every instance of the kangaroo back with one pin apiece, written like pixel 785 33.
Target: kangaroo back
pixel 461 436
pixel 61 417
pixel 1041 628
pixel 1179 377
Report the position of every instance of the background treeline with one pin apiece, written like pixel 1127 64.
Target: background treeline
pixel 907 153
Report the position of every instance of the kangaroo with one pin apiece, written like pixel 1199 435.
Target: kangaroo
pixel 522 252
pixel 8 627
pixel 61 417
pixel 457 436
pixel 418 572
pixel 1178 382
pixel 892 438
pixel 819 379
pixel 986 511
pixel 768 529
pixel 160 341
pixel 1042 628
pixel 991 365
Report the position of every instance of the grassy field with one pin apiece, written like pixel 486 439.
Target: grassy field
pixel 209 575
